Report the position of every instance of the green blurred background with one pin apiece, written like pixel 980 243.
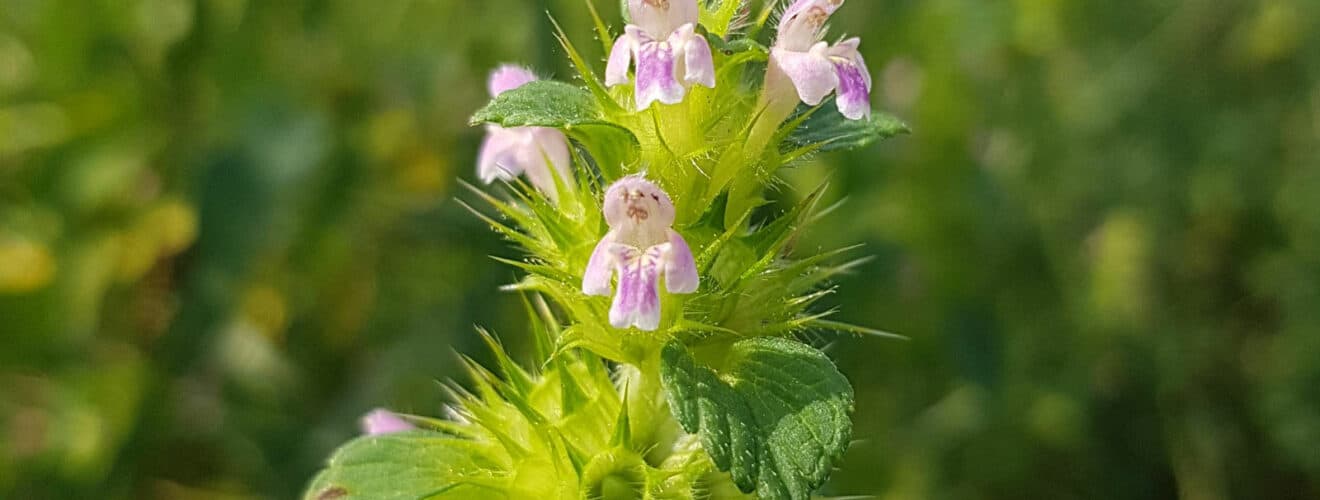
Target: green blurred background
pixel 227 229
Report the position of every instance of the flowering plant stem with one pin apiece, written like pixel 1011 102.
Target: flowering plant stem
pixel 664 320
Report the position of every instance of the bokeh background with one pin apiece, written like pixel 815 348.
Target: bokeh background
pixel 227 229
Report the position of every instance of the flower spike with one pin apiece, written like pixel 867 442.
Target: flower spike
pixel 649 381
pixel 639 248
pixel 509 152
pixel 668 52
pixel 815 68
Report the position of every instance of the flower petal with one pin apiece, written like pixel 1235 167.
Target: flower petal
pixel 498 158
pixel 697 58
pixel 803 22
pixel 600 269
pixel 621 56
pixel 637 301
pixel 639 210
pixel 800 6
pixel 854 94
pixel 680 268
pixel 683 12
pixel 847 49
pixel 509 77
pixel 662 17
pixel 812 72
pixel 546 148
pixel 381 421
pixel 656 80
pixel 625 259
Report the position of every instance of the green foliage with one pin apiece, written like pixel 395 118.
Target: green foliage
pixel 543 103
pixel 776 416
pixel 825 129
pixel 415 465
pixel 719 15
pixel 781 423
pixel 560 432
pixel 755 286
pixel 560 105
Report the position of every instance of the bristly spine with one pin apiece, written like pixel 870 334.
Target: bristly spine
pixel 659 283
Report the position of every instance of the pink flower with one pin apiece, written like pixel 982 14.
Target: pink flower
pixel 381 421
pixel 639 248
pixel 668 52
pixel 816 68
pixel 534 151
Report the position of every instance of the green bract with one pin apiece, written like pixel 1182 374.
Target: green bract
pixel 719 401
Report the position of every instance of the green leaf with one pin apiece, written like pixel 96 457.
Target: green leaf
pixel 611 147
pixel 543 103
pixel 416 465
pixel 718 15
pixel 547 103
pixel 736 46
pixel 776 417
pixel 828 130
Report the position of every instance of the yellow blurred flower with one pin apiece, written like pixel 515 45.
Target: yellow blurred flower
pixel 164 230
pixel 175 223
pixel 25 266
pixel 137 253
pixel 265 308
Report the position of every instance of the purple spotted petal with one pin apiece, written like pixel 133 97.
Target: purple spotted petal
pixel 616 70
pixel 633 194
pixel 800 6
pixel 637 302
pixel 498 158
pixel 656 80
pixel 660 18
pixel 680 268
pixel 812 73
pixel 381 421
pixel 854 79
pixel 803 22
pixel 847 49
pixel 596 279
pixel 509 77
pixel 639 214
pixel 854 94
pixel 697 58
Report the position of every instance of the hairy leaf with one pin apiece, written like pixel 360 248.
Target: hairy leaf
pixel 828 130
pixel 569 108
pixel 776 417
pixel 737 46
pixel 415 465
pixel 543 103
pixel 718 15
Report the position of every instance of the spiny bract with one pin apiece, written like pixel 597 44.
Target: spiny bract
pixel 663 295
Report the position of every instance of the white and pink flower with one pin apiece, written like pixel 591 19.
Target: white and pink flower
pixel 640 247
pixel 817 69
pixel 668 53
pixel 532 151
